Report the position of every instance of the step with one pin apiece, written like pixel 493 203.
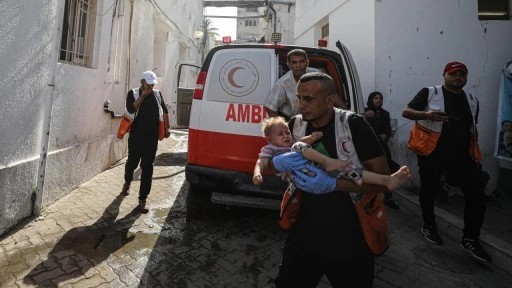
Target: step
pixel 452 225
pixel 245 201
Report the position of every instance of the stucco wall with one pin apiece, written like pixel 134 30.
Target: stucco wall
pixel 350 22
pixel 82 140
pixel 401 46
pixel 412 47
pixel 23 74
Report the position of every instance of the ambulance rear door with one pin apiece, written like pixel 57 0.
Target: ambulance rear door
pixel 353 84
pixel 225 124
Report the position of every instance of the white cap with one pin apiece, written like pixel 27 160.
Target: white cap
pixel 150 77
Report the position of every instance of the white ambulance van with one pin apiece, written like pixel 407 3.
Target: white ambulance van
pixel 227 110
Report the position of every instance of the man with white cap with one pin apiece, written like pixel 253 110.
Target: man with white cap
pixel 148 106
pixel 448 115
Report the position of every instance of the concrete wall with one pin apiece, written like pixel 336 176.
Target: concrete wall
pixel 401 46
pixel 81 141
pixel 350 22
pixel 285 21
pixel 412 48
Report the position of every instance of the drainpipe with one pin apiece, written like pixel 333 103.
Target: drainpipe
pixel 271 6
pixel 128 68
pixel 120 19
pixel 50 92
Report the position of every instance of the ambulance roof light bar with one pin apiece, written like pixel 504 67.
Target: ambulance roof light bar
pixel 322 43
pixel 226 39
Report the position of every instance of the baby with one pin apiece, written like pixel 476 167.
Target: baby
pixel 280 140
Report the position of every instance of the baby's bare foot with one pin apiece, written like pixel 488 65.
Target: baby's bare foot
pixel 397 179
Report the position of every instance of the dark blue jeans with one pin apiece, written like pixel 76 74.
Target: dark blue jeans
pixel 141 150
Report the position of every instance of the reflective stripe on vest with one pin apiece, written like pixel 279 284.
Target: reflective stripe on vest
pixel 344 144
pixel 436 103
pixel 136 94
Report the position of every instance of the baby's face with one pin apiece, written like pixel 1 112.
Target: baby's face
pixel 281 136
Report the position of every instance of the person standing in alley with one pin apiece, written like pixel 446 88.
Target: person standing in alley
pixel 448 115
pixel 380 121
pixel 149 108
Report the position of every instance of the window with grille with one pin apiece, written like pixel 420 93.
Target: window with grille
pixel 252 23
pixel 78 32
pixel 325 31
pixel 494 9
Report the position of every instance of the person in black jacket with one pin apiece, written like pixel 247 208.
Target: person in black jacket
pixel 149 106
pixel 380 121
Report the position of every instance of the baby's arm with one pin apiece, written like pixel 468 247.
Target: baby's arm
pixel 329 164
pixel 311 139
pixel 261 164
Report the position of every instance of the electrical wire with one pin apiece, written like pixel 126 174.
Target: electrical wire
pixel 153 2
pixel 113 4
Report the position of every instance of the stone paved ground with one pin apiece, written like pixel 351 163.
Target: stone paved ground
pixel 95 238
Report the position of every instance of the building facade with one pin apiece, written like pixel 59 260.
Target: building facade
pixel 257 23
pixel 400 47
pixel 60 61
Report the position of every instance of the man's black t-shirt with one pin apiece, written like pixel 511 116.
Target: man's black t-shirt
pixel 148 118
pixel 329 222
pixel 454 140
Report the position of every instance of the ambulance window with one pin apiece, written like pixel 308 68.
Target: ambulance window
pixel 283 68
pixel 327 66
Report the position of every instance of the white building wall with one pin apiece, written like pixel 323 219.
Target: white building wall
pixel 82 140
pixel 400 47
pixel 285 21
pixel 413 44
pixel 282 23
pixel 247 33
pixel 350 22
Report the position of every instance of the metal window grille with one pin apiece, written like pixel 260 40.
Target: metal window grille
pixel 325 31
pixel 75 33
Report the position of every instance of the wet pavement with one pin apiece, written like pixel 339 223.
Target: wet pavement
pixel 93 237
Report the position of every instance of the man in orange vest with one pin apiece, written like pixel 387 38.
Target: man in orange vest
pixel 327 237
pixel 450 115
pixel 149 106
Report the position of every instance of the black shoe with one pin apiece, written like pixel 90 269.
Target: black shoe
pixel 125 190
pixel 474 248
pixel 142 207
pixel 442 196
pixel 391 203
pixel 430 233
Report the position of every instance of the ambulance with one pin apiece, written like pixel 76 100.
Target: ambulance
pixel 224 132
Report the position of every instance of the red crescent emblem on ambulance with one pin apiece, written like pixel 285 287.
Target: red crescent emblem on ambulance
pixel 238 77
pixel 231 75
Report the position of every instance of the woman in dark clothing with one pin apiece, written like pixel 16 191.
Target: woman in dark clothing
pixel 380 121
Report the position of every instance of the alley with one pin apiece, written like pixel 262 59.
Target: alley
pixel 93 237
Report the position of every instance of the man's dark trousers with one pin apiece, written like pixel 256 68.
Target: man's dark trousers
pixel 141 150
pixel 469 177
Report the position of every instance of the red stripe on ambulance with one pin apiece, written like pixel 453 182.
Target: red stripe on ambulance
pixel 223 150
